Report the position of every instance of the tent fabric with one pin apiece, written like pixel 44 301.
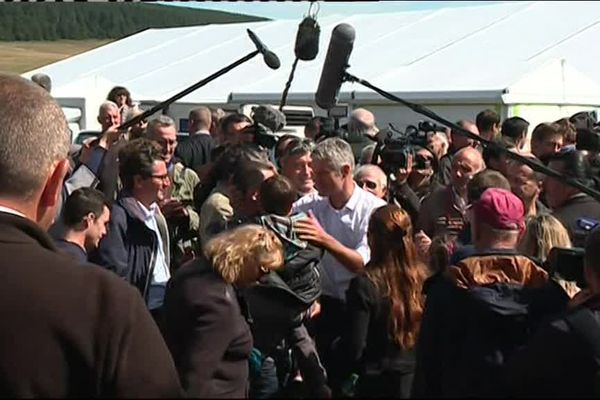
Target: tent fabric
pixel 492 51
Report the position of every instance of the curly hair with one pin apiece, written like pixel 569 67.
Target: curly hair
pixel 396 272
pixel 235 253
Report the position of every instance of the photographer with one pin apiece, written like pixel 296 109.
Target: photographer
pixel 409 164
pixel 569 204
pixel 414 183
pixel 561 360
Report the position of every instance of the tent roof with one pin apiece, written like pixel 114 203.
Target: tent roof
pixel 499 51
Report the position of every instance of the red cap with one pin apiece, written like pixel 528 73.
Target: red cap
pixel 500 209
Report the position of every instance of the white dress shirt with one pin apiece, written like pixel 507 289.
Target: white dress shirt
pixel 161 274
pixel 12 211
pixel 348 226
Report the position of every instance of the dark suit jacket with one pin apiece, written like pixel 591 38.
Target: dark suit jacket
pixel 71 330
pixel 207 333
pixel 195 152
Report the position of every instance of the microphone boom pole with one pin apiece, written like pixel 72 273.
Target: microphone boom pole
pixel 535 165
pixel 164 104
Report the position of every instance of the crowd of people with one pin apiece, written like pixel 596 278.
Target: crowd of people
pixel 137 266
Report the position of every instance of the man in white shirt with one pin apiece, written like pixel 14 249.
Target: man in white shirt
pixel 338 221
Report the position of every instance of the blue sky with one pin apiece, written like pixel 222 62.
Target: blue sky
pixel 297 9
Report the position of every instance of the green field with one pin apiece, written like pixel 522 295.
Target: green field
pixel 19 57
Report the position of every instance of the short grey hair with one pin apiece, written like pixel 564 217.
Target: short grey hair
pixel 33 136
pixel 162 121
pixel 107 105
pixel 337 152
pixel 374 168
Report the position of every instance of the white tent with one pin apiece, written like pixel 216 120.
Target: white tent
pixel 532 59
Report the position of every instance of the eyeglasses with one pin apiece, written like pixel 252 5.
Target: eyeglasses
pixel 369 184
pixel 164 177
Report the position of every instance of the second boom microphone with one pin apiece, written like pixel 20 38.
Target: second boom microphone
pixel 335 65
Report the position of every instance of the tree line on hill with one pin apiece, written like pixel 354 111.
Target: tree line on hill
pixel 95 20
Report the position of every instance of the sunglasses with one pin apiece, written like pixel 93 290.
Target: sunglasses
pixel 369 184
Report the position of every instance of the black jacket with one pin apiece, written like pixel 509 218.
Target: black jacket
pixel 579 206
pixel 207 332
pixel 195 152
pixel 72 330
pixel 279 299
pixel 366 347
pixel 300 274
pixel 129 248
pixel 562 359
pixel 477 314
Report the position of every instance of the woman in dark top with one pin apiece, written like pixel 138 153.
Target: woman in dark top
pixel 384 306
pixel 206 327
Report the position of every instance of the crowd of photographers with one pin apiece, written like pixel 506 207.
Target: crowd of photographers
pixel 349 262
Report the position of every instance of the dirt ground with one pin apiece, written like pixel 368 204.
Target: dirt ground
pixel 19 57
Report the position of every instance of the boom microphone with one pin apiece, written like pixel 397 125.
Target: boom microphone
pixel 336 62
pixel 270 58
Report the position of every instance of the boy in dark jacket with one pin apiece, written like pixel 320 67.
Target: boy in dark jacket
pixel 282 300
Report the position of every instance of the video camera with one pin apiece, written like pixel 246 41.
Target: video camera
pixel 262 136
pixel 328 130
pixel 568 263
pixel 395 147
pixel 588 130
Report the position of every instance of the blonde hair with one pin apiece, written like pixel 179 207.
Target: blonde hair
pixel 543 232
pixel 232 252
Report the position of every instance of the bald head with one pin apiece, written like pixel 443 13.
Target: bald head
pixel 465 164
pixel 33 137
pixel 200 119
pixel 470 154
pixel 362 121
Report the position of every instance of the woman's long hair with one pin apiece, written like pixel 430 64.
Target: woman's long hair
pixel 543 232
pixel 116 92
pixel 396 272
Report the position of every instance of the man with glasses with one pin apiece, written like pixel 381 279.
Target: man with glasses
pixel 177 206
pixel 137 244
pixel 296 165
pixel 372 179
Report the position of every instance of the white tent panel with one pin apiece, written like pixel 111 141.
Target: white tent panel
pixel 493 53
pixel 557 80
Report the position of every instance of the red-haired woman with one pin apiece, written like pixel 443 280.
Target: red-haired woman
pixel 385 305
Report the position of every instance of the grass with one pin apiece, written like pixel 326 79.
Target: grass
pixel 19 57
